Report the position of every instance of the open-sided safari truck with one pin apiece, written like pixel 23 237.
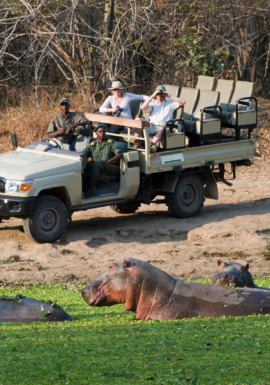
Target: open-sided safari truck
pixel 43 185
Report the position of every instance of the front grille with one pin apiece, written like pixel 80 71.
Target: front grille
pixel 2 185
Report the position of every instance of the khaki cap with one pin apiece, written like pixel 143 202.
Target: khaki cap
pixel 116 85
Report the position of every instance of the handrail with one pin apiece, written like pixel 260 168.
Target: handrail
pixel 240 101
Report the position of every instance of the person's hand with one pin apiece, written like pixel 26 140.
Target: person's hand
pixel 70 126
pixel 167 95
pixel 114 109
pixel 62 130
pixel 103 161
pixel 155 94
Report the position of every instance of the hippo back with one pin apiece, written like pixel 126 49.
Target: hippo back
pixel 30 310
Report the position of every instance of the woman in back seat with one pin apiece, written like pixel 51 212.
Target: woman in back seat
pixel 119 104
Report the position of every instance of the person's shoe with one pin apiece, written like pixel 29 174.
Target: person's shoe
pixel 153 147
pixel 88 193
pixel 138 144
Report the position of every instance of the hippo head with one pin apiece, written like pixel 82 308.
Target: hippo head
pixel 132 282
pixel 232 273
pixel 113 286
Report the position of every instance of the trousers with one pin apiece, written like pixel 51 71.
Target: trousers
pixel 97 168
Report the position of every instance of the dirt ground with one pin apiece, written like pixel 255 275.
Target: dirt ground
pixel 237 227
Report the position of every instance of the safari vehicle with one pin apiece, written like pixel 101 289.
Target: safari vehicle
pixel 42 184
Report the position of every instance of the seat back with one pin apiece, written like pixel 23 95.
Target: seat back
pixel 172 90
pixel 122 146
pixel 190 95
pixel 225 89
pixel 242 90
pixel 78 143
pixel 207 98
pixel 135 108
pixel 206 83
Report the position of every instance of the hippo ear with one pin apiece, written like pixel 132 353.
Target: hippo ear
pixel 247 267
pixel 219 262
pixel 126 264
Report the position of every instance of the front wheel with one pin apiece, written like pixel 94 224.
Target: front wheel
pixel 47 221
pixel 187 199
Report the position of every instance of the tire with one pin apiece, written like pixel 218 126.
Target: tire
pixel 187 199
pixel 47 221
pixel 126 208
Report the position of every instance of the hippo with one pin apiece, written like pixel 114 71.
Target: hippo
pixel 233 273
pixel 23 309
pixel 153 294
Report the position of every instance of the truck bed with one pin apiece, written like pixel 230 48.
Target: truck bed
pixel 208 155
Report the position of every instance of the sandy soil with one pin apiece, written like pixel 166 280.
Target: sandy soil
pixel 237 227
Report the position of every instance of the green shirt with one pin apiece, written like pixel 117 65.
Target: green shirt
pixel 105 151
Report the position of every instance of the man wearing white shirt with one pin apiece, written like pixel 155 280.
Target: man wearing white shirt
pixel 161 111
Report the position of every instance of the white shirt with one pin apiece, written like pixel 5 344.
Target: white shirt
pixel 162 112
pixel 126 99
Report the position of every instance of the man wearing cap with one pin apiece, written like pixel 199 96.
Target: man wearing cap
pixel 161 111
pixel 62 126
pixel 102 155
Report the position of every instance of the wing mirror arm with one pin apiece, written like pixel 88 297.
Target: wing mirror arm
pixel 14 139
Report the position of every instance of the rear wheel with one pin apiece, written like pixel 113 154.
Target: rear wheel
pixel 187 199
pixel 126 208
pixel 47 221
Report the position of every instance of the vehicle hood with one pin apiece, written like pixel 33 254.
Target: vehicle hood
pixel 25 165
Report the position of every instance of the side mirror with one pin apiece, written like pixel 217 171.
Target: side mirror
pixel 14 139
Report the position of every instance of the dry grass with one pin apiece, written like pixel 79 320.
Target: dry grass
pixel 21 115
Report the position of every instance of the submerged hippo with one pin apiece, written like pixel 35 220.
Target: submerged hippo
pixel 23 309
pixel 232 273
pixel 153 294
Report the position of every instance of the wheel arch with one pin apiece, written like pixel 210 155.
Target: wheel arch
pixel 61 193
pixel 211 189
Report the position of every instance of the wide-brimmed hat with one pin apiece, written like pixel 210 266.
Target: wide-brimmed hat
pixel 116 85
pixel 161 88
pixel 64 100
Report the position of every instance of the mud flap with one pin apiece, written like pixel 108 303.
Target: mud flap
pixel 211 189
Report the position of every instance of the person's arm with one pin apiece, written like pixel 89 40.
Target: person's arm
pixel 180 101
pixel 70 126
pixel 145 104
pixel 54 134
pixel 105 106
pixel 88 151
pixel 115 158
pixel 136 97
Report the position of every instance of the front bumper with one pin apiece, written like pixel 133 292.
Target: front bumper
pixel 15 206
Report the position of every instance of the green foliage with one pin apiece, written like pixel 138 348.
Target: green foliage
pixel 108 346
pixel 201 54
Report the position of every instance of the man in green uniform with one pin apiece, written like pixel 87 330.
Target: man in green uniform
pixel 64 125
pixel 102 154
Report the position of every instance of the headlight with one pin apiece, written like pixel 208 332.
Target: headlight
pixel 14 186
